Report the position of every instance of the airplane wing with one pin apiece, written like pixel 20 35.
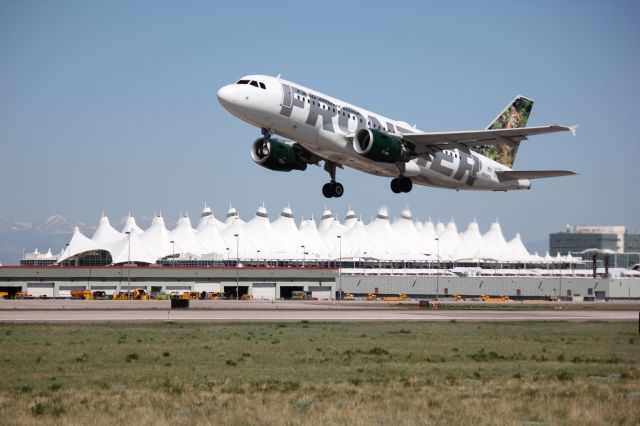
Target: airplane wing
pixel 532 174
pixel 425 142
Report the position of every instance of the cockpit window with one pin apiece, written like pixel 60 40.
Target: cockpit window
pixel 262 86
pixel 243 82
pixel 254 83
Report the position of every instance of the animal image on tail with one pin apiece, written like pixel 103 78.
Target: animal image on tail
pixel 514 116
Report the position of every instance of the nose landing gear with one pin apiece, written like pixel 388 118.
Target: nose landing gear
pixel 401 184
pixel 333 188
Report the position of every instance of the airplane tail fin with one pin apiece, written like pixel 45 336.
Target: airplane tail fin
pixel 515 115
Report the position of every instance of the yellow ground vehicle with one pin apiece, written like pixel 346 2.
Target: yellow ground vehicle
pixel 502 298
pixel 348 296
pixel 246 297
pixel 3 294
pixel 82 294
pixel 23 295
pixel 120 296
pixel 191 295
pixel 399 298
pixel 139 294
pixel 457 298
pixel 214 295
pixel 370 296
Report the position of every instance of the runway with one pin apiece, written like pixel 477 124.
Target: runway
pixel 231 311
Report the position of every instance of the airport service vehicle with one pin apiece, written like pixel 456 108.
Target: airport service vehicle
pixel 320 128
pixel 82 294
pixel 23 295
pixel 502 298
pixel 399 298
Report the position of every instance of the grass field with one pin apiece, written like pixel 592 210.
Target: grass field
pixel 320 373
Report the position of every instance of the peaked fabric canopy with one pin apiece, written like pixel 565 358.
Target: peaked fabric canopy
pixel 283 239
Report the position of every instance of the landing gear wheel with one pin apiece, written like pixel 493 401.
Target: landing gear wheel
pixel 405 184
pixel 327 190
pixel 332 189
pixel 401 184
pixel 395 186
pixel 338 190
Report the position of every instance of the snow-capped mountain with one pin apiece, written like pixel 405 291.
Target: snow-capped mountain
pixel 8 225
pixel 54 225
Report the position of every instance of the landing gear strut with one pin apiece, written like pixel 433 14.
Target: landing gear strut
pixel 401 184
pixel 333 188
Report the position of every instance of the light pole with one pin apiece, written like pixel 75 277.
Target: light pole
pixel 438 273
pixel 257 253
pixel 303 255
pixel 129 265
pixel 364 262
pixel 173 252
pixel 340 268
pixel 237 265
pixel 228 257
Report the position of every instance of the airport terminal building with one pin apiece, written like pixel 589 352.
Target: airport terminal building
pixel 271 260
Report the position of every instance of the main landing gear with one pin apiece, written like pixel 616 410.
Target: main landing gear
pixel 401 184
pixel 333 188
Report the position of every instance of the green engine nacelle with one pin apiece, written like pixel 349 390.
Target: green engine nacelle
pixel 276 155
pixel 378 146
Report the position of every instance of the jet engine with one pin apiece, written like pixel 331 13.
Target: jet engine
pixel 277 155
pixel 379 146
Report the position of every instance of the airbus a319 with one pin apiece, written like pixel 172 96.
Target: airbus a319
pixel 320 128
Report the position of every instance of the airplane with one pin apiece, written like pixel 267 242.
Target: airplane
pixel 318 127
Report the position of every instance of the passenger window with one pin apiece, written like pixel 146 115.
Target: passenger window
pixel 253 83
pixel 262 86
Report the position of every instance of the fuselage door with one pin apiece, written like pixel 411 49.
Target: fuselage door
pixel 287 96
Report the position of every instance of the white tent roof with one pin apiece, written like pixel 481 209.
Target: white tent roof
pixel 232 215
pixel 185 238
pixel 243 241
pixel 427 235
pixel 131 226
pixel 105 234
pixel 78 244
pixel 517 250
pixel 494 246
pixel 265 238
pixel 359 240
pixel 285 227
pixel 157 239
pixel 310 237
pixel 207 217
pixel 326 221
pixel 471 239
pixel 406 231
pixel 388 243
pixel 282 239
pixel 350 220
pixel 209 236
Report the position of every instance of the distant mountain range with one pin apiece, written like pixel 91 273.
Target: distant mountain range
pixel 16 236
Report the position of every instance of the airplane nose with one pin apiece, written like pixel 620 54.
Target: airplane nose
pixel 226 95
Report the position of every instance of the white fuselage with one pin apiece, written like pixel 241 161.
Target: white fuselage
pixel 325 126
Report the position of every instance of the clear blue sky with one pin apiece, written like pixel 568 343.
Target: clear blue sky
pixel 112 105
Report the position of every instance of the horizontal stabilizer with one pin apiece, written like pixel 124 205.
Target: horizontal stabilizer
pixel 533 174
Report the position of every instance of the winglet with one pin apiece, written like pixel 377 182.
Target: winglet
pixel 572 129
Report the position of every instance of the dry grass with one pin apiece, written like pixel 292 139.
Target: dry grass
pixel 317 374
